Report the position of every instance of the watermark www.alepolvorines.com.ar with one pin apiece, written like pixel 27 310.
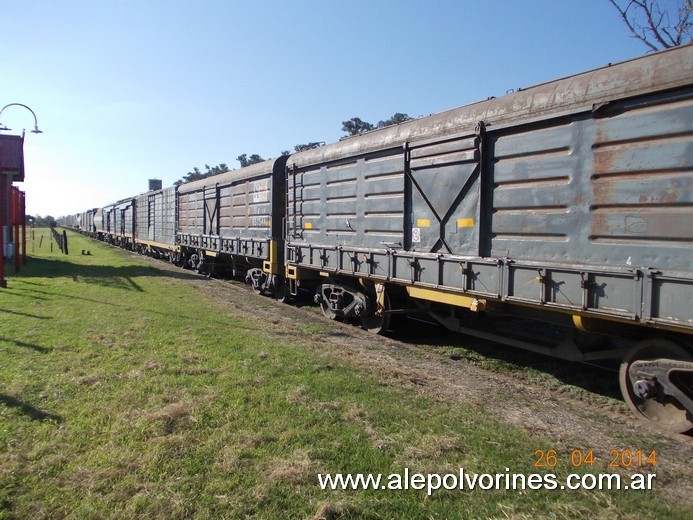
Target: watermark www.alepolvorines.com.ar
pixel 468 481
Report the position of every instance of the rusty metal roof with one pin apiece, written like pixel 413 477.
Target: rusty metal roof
pixel 12 156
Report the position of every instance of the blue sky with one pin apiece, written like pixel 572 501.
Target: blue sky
pixel 127 90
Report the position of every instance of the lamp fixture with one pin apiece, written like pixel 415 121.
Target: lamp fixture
pixel 3 128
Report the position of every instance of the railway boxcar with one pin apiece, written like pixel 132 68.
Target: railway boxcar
pixel 123 231
pixel 155 231
pixel 71 221
pixel 235 220
pixel 86 222
pixel 571 201
pixel 106 224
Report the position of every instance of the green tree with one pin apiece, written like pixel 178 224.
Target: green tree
pixel 308 146
pixel 396 119
pixel 196 174
pixel 247 161
pixel 216 170
pixel 304 147
pixel 356 126
pixel 656 26
pixel 39 221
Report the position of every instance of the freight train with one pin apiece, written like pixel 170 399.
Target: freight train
pixel 569 203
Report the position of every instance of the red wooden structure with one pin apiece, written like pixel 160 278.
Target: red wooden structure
pixel 12 202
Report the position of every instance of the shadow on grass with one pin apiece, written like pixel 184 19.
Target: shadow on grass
pixel 25 314
pixel 104 275
pixel 37 348
pixel 34 283
pixel 120 277
pixel 28 410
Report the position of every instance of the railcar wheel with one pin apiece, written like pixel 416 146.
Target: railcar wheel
pixel 666 412
pixel 378 324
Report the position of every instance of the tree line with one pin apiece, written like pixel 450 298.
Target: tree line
pixel 39 221
pixel 354 126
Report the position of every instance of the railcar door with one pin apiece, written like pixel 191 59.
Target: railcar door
pixel 211 210
pixel 443 183
pixel 122 228
pixel 151 217
pixel 110 221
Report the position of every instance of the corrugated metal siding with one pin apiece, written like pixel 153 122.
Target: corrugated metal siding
pixel 156 216
pixel 108 220
pixel 141 227
pixel 167 229
pixel 124 217
pixel 537 195
pixel 642 183
pixel 610 190
pixel 190 218
pixel 246 207
pixel 357 202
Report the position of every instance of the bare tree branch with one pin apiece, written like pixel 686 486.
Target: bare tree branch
pixel 656 27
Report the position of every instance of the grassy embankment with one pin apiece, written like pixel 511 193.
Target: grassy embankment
pixel 124 392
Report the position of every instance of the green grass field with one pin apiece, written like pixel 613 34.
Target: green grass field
pixel 126 392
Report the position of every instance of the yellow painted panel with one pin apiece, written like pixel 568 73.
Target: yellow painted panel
pixel 423 222
pixel 156 244
pixel 465 222
pixel 459 300
pixel 271 267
